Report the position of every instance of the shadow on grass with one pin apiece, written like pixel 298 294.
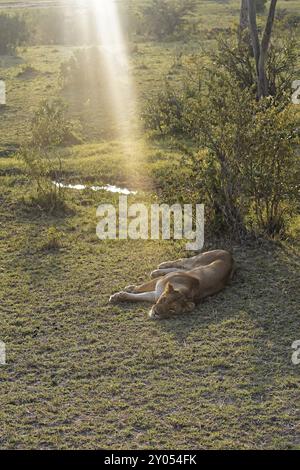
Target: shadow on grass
pixel 263 302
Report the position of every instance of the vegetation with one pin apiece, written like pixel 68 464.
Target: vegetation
pixel 164 18
pixel 82 373
pixel 246 167
pixel 50 126
pixel 13 32
pixel 44 169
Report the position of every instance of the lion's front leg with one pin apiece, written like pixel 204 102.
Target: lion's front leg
pixel 131 297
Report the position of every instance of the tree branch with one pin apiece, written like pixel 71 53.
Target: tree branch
pixel 254 31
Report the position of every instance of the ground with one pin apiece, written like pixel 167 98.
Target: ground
pixel 85 374
pixel 82 373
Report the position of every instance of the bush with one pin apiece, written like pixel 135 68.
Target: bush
pixel 164 111
pixel 13 32
pixel 73 72
pixel 246 169
pixel 165 18
pixel 47 26
pixel 50 126
pixel 281 67
pixel 291 21
pixel 249 172
pixel 260 5
pixel 44 169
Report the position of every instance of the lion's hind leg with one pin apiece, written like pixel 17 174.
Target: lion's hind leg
pixel 179 264
pixel 163 272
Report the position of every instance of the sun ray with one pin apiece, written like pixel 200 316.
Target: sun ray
pixel 104 15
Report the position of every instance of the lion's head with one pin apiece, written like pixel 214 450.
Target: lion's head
pixel 171 302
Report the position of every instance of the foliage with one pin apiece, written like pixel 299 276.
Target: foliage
pixel 260 5
pixel 291 21
pixel 48 26
pixel 51 127
pixel 248 173
pixel 50 130
pixel 164 111
pixel 281 67
pixel 44 169
pixel 13 32
pixel 245 170
pixel 164 18
pixel 73 72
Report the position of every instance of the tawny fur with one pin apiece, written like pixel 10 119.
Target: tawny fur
pixel 177 286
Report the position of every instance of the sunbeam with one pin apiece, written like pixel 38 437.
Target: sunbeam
pixel 115 58
pixel 116 95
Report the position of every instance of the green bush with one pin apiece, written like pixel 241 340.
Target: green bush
pixel 170 110
pixel 291 21
pixel 13 32
pixel 164 111
pixel 50 126
pixel 87 67
pixel 166 18
pixel 44 169
pixel 260 5
pixel 246 167
pixel 281 67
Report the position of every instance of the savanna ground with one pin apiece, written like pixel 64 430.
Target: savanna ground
pixel 82 373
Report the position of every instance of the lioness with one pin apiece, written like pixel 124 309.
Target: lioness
pixel 177 286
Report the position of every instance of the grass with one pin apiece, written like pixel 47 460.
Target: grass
pixel 84 374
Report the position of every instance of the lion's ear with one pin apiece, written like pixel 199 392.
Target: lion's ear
pixel 169 288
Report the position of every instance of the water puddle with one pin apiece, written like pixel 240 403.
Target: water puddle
pixel 108 187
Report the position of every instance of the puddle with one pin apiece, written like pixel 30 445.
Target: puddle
pixel 108 187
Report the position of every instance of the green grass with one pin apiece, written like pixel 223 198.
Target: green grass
pixel 84 374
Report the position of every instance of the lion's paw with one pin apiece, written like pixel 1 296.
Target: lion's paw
pixel 118 297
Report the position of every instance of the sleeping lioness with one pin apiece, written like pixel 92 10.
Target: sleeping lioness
pixel 177 286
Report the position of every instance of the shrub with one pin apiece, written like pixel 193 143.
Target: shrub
pixel 13 32
pixel 249 170
pixel 47 26
pixel 44 168
pixel 246 169
pixel 260 5
pixel 165 18
pixel 281 67
pixel 50 126
pixel 291 21
pixel 164 111
pixel 73 72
